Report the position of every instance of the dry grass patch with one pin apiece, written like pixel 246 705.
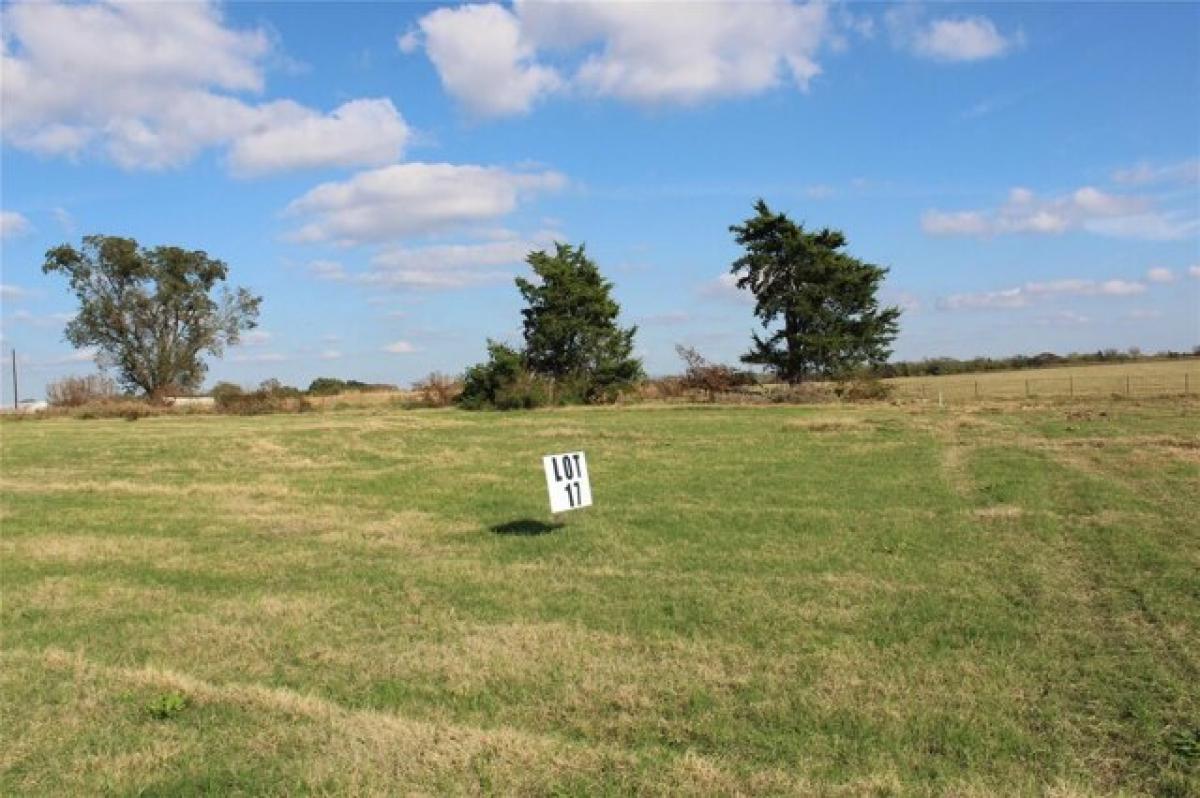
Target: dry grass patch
pixel 337 749
pixel 81 548
pixel 999 512
pixel 830 425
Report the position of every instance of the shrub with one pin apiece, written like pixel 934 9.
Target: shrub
pixel 660 389
pixel 438 390
pixel 128 409
pixel 713 378
pixel 326 386
pixel 805 393
pixel 483 382
pixel 272 396
pixel 331 386
pixel 223 391
pixel 863 389
pixel 77 391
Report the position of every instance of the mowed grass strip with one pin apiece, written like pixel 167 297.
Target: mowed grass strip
pixel 862 600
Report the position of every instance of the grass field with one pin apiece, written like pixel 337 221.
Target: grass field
pixel 764 600
pixel 1146 378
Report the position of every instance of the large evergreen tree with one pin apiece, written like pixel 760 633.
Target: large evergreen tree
pixel 817 304
pixel 571 331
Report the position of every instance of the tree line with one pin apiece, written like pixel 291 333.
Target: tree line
pixel 155 314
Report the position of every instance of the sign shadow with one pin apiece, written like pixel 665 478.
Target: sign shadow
pixel 526 527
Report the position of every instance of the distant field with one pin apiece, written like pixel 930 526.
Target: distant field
pixel 1152 378
pixel 868 600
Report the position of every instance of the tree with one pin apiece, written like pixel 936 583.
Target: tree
pixel 151 312
pixel 823 299
pixel 571 332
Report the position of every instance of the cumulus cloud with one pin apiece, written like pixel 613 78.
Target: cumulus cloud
pixel 9 291
pixel 46 320
pixel 150 85
pixel 1063 318
pixel 498 61
pixel 1194 271
pixel 1142 314
pixel 1145 173
pixel 64 218
pixel 407 199
pixel 669 319
pixel 725 288
pixel 400 348
pixel 1024 295
pixel 443 265
pixel 360 132
pixel 1087 208
pixel 260 357
pixel 948 39
pixel 455 265
pixel 483 58
pixel 1160 274
pixel 13 224
pixel 255 337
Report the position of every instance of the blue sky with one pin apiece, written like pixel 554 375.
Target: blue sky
pixel 1029 172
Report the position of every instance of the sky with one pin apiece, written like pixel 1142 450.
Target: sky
pixel 1029 173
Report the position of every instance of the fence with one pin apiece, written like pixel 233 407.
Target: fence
pixel 1015 386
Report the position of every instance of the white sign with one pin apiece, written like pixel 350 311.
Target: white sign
pixel 567 480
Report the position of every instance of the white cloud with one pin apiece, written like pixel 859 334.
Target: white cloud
pixel 1143 314
pixel 948 39
pixel 725 287
pixel 1160 274
pixel 442 266
pixel 13 224
pixel 360 132
pixel 327 270
pixel 48 320
pixel 10 291
pixel 407 199
pixel 669 319
pixel 1024 295
pixel 1063 318
pixel 261 357
pixel 1145 173
pixel 1194 271
pixel 64 218
pixel 1087 208
pixel 329 354
pixel 483 58
pixel 400 348
pixel 150 85
pixel 255 338
pixel 496 61
pixel 955 223
pixel 85 355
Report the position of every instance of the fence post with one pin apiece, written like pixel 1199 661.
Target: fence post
pixel 1027 388
pixel 1127 393
pixel 1186 389
pixel 977 388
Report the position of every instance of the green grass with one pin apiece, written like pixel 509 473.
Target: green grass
pixel 872 600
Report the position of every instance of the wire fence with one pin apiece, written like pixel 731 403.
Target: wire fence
pixel 1074 385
